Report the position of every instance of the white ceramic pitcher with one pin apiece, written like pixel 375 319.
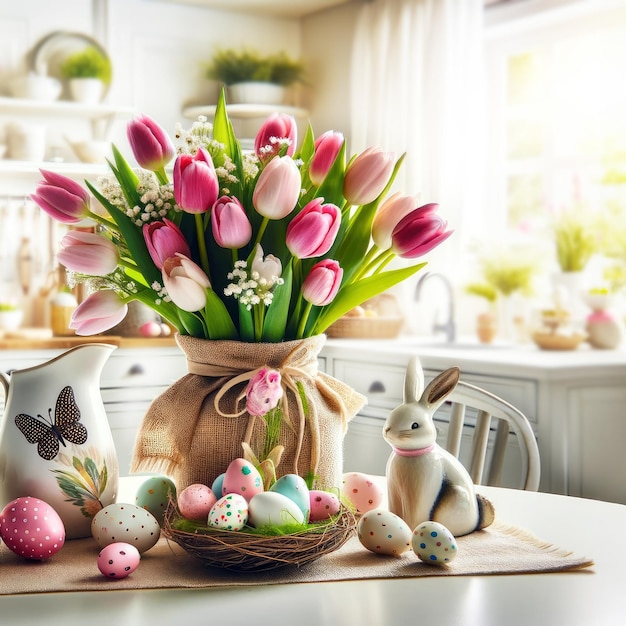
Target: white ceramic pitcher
pixel 55 439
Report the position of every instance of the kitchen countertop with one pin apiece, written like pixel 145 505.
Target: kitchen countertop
pixel 64 343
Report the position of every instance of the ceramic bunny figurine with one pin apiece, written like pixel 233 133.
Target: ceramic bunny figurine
pixel 425 482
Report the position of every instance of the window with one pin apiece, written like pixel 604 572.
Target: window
pixel 557 114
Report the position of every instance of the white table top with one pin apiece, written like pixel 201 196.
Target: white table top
pixel 594 597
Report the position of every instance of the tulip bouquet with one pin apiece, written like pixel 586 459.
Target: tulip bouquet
pixel 265 246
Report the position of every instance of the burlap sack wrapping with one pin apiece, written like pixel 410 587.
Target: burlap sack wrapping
pixel 184 436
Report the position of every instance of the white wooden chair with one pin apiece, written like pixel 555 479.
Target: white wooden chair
pixel 489 412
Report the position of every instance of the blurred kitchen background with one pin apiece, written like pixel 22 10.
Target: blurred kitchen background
pixel 511 113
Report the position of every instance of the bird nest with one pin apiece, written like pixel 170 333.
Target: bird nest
pixel 248 551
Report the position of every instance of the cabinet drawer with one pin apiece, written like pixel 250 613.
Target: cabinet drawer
pixel 138 368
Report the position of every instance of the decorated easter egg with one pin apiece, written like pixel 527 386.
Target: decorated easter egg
pixel 230 512
pixel 150 329
pixel 361 490
pixel 31 528
pixel 243 478
pixel 218 486
pixel 324 504
pixel 383 532
pixel 118 560
pixel 296 489
pixel 127 523
pixel 195 501
pixel 153 495
pixel 270 508
pixel 433 543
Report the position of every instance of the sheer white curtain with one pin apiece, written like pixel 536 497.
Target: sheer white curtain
pixel 418 87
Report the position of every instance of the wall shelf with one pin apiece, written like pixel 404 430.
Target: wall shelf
pixel 244 111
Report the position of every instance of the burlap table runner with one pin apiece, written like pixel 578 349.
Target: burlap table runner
pixel 499 549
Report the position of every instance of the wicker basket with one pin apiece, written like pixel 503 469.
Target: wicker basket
pixel 248 552
pixel 366 327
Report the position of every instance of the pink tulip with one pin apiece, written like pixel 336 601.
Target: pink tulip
pixel 61 198
pixel 268 268
pixel 278 129
pixel 263 392
pixel 231 226
pixel 327 147
pixel 164 239
pixel 419 232
pixel 367 176
pixel 322 284
pixel 277 189
pixel 390 212
pixel 88 253
pixel 150 144
pixel 185 282
pixel 100 311
pixel 195 182
pixel 312 232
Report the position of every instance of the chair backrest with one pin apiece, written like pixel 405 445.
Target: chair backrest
pixel 492 412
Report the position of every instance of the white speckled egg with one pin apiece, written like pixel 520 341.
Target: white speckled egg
pixel 243 478
pixel 31 528
pixel 153 495
pixel 127 523
pixel 433 543
pixel 118 560
pixel 195 501
pixel 324 504
pixel 274 509
pixel 230 512
pixel 361 490
pixel 384 532
pixel 296 489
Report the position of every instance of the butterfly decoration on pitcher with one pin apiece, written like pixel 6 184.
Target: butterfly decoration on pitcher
pixel 49 433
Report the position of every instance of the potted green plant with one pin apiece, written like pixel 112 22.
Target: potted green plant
pixel 486 321
pixel 10 316
pixel 254 78
pixel 87 71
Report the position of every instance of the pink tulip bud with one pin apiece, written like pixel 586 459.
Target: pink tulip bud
pixel 367 176
pixel 322 284
pixel 390 212
pixel 150 144
pixel 263 392
pixel 327 147
pixel 419 232
pixel 195 182
pixel 88 253
pixel 277 189
pixel 278 130
pixel 164 239
pixel 312 232
pixel 100 311
pixel 231 226
pixel 61 198
pixel 185 282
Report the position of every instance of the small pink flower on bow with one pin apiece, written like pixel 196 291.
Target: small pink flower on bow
pixel 263 392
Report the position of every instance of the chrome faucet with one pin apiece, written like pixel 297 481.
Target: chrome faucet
pixel 448 326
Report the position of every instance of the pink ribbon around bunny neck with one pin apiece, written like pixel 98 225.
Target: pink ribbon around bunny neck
pixel 297 365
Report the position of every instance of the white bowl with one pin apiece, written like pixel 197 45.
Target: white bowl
pixel 35 87
pixel 91 151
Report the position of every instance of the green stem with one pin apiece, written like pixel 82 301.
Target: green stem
pixel 161 176
pixel 204 257
pixel 109 224
pixel 303 320
pixel 366 265
pixel 262 228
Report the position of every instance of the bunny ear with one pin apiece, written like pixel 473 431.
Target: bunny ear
pixel 441 386
pixel 413 381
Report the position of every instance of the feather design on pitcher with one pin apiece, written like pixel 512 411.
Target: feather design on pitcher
pixel 49 433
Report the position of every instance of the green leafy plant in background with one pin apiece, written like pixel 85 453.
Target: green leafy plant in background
pixel 232 66
pixel 576 241
pixel 88 63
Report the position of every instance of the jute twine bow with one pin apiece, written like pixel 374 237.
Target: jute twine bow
pixel 297 365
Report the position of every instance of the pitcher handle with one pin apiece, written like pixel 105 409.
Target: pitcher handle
pixel 4 379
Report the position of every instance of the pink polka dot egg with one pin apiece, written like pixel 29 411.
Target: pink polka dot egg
pixel 362 491
pixel 196 501
pixel 31 528
pixel 118 560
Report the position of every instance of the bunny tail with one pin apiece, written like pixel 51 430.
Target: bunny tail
pixel 486 512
